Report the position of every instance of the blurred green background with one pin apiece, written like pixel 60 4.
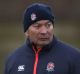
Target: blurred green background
pixel 67 23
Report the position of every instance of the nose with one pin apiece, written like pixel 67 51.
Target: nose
pixel 43 30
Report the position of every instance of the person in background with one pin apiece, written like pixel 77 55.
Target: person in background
pixel 43 52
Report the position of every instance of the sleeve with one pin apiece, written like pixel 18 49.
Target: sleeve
pixel 8 65
pixel 74 61
pixel 77 65
pixel 6 68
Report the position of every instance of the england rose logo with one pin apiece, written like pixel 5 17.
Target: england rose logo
pixel 50 67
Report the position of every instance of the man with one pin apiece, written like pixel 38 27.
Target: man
pixel 42 53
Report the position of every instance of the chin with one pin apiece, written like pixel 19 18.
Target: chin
pixel 44 42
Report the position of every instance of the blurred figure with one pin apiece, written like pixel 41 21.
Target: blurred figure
pixel 42 52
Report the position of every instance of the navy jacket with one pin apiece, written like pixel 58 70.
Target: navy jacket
pixel 55 58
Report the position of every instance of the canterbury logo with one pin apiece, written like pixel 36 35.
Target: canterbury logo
pixel 21 68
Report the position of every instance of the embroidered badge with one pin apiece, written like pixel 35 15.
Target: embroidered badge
pixel 50 67
pixel 21 68
pixel 33 17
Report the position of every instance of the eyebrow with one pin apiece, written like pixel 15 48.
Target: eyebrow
pixel 40 23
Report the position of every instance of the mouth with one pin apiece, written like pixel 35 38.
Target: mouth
pixel 44 39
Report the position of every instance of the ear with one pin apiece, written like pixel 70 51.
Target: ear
pixel 26 33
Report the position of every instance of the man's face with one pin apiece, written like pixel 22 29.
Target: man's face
pixel 41 32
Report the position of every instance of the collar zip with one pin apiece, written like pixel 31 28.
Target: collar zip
pixel 36 59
